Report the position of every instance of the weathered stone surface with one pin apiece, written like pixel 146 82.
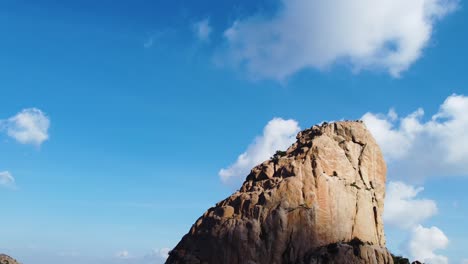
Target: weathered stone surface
pixel 321 202
pixel 4 259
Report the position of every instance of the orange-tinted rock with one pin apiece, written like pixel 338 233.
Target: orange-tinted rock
pixel 310 206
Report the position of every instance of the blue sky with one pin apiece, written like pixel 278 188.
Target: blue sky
pixel 145 108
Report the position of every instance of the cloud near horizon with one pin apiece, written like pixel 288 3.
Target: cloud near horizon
pixel 157 256
pixel 36 256
pixel 30 126
pixel 389 35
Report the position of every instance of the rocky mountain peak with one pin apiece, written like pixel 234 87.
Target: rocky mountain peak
pixel 320 201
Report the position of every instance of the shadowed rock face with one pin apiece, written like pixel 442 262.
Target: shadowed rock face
pixel 4 259
pixel 320 202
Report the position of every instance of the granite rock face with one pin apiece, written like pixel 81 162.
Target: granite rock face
pixel 321 201
pixel 4 259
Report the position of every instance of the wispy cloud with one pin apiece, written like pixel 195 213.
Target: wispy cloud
pixel 122 254
pixel 159 37
pixel 156 256
pixel 387 34
pixel 202 29
pixel 6 179
pixel 149 42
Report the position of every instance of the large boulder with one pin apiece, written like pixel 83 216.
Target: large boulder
pixel 4 259
pixel 321 201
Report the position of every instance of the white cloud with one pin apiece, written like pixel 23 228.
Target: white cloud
pixel 405 212
pixel 440 140
pixel 386 34
pixel 464 261
pixel 278 134
pixel 164 253
pixel 122 254
pixel 395 143
pixel 402 209
pixel 202 29
pixel 6 179
pixel 423 243
pixel 409 144
pixel 155 256
pixel 415 149
pixel 158 254
pixel 30 126
pixel 41 256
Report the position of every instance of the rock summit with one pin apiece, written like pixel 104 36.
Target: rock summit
pixel 320 201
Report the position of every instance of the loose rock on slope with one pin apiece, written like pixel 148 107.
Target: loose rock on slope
pixel 320 202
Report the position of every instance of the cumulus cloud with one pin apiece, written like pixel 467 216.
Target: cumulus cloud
pixel 30 126
pixel 387 34
pixel 416 148
pixel 408 143
pixel 423 243
pixel 402 209
pixel 412 143
pixel 202 29
pixel 6 179
pixel 278 134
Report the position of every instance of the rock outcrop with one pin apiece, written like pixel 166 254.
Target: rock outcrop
pixel 4 259
pixel 321 201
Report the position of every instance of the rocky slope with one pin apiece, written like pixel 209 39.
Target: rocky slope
pixel 321 201
pixel 4 259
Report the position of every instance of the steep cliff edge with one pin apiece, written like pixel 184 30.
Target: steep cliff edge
pixel 321 201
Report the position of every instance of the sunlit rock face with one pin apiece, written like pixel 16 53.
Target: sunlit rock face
pixel 321 201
